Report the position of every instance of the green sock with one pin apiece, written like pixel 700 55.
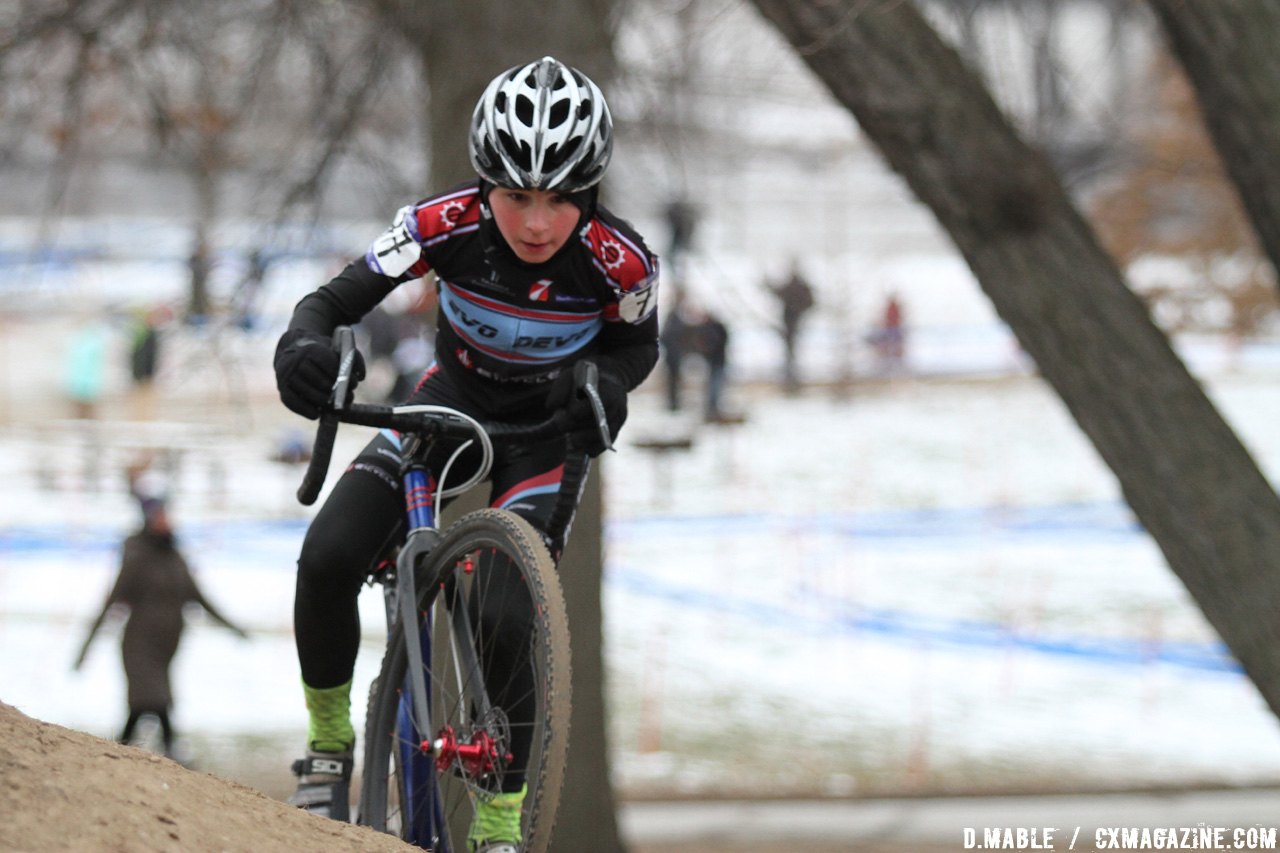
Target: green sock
pixel 330 712
pixel 497 818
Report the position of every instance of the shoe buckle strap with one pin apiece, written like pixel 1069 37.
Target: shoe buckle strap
pixel 328 765
pixel 323 765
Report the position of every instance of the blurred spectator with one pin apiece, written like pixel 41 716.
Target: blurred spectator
pixel 244 301
pixel 293 447
pixel 382 330
pixel 144 360
pixel 690 331
pixel 85 374
pixel 889 338
pixel 712 337
pixel 682 219
pixel 154 584
pixel 795 297
pixel 412 355
pixel 401 337
pixel 676 344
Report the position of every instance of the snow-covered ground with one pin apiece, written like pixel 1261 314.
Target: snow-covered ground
pixel 928 585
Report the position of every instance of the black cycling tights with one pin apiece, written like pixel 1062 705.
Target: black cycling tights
pixel 355 528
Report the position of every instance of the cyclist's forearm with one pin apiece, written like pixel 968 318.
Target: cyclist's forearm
pixel 628 364
pixel 350 295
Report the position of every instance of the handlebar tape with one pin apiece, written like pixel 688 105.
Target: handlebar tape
pixel 326 433
pixel 318 467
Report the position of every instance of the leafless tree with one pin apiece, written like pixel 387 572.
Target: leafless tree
pixel 1228 49
pixel 1185 474
pixel 244 93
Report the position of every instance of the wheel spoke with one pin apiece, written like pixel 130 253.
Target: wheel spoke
pixel 497 654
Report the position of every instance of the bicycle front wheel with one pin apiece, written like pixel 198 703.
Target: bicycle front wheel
pixel 495 645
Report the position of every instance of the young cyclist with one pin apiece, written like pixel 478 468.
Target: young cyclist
pixel 534 275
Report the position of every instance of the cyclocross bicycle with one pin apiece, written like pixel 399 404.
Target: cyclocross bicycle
pixel 474 688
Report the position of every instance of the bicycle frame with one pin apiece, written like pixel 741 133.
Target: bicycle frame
pixel 420 489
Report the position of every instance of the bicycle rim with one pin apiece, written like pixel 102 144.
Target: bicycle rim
pixel 499 713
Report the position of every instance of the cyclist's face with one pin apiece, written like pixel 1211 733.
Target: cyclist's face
pixel 535 223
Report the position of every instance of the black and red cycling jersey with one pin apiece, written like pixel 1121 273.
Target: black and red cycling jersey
pixel 507 327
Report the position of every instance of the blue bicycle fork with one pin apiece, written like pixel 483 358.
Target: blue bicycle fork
pixel 415 702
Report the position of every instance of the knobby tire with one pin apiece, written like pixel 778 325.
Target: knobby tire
pixel 498 544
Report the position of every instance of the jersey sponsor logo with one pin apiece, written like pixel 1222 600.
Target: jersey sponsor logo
pixel 481 328
pixel 540 290
pixel 612 255
pixel 570 299
pixel 513 334
pixel 451 212
pixel 624 262
pixel 377 471
pixel 522 378
pixel 550 341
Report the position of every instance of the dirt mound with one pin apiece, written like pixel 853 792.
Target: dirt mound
pixel 65 790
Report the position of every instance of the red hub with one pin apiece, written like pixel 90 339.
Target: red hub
pixel 476 758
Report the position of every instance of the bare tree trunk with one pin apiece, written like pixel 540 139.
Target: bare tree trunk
pixel 1186 475
pixel 1228 49
pixel 587 819
pixel 199 260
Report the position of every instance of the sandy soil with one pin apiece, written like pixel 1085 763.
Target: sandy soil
pixel 61 790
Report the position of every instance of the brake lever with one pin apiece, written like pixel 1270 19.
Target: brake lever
pixel 586 376
pixel 345 338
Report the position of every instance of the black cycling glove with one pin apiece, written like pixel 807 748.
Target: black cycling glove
pixel 306 368
pixel 567 395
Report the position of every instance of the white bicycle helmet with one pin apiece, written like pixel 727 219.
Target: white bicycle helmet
pixel 542 126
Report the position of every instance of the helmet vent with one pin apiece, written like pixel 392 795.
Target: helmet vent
pixel 571 147
pixel 559 113
pixel 524 110
pixel 520 150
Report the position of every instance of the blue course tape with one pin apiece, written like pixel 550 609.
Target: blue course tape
pixel 915 628
pixel 1097 520
pixel 1104 519
pixel 1101 519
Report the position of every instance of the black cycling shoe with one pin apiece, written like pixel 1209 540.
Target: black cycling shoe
pixel 324 784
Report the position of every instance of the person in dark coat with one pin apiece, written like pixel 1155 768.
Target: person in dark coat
pixel 675 341
pixel 155 584
pixel 796 299
pixel 713 345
